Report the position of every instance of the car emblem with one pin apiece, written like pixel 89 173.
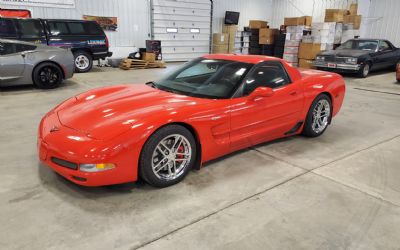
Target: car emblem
pixel 54 129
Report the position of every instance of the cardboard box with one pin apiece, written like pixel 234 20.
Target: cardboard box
pixel 306 64
pixel 335 15
pixel 355 20
pixel 326 46
pixel 220 49
pixel 258 24
pixel 324 26
pixel 230 29
pixel 149 57
pixel 353 9
pixel 220 38
pixel 294 21
pixel 290 58
pixel 266 36
pixel 309 50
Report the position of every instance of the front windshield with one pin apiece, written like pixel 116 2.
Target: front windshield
pixel 207 78
pixel 369 45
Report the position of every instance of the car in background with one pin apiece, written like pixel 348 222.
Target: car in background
pixel 86 39
pixel 360 56
pixel 28 63
pixel 209 107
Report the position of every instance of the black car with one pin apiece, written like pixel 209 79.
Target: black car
pixel 359 56
pixel 86 39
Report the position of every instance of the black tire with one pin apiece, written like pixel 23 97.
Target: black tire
pixel 47 76
pixel 150 152
pixel 308 129
pixel 83 61
pixel 363 72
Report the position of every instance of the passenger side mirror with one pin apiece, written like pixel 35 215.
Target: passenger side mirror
pixel 261 92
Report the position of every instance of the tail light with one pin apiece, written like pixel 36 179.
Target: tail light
pixel 107 43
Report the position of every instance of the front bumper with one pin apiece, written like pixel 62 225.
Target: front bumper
pixel 332 66
pixel 65 149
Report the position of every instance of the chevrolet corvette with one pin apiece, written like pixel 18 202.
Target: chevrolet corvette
pixel 209 107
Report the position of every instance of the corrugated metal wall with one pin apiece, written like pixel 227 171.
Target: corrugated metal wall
pixel 383 20
pixel 249 9
pixel 133 19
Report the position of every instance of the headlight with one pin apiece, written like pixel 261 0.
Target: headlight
pixel 351 60
pixel 320 58
pixel 96 167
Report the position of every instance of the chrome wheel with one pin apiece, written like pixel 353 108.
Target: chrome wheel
pixel 366 70
pixel 171 157
pixel 82 62
pixel 321 114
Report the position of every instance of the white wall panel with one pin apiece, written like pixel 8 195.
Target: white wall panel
pixel 249 9
pixel 133 19
pixel 383 20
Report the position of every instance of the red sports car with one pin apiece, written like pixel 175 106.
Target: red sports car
pixel 209 107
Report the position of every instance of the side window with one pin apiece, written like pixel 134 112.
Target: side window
pixel 76 28
pixel 30 28
pixel 7 49
pixel 58 28
pixel 23 47
pixel 93 28
pixel 384 46
pixel 269 74
pixel 7 28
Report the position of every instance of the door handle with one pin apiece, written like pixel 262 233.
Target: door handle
pixel 294 92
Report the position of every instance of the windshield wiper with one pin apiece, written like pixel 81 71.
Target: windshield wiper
pixel 152 84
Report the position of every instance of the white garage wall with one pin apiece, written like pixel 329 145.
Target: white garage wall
pixel 249 9
pixel 383 20
pixel 133 19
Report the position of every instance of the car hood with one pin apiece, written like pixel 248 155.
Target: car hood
pixel 108 112
pixel 345 53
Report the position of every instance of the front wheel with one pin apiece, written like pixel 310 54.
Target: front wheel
pixel 363 72
pixel 47 76
pixel 167 156
pixel 83 61
pixel 318 116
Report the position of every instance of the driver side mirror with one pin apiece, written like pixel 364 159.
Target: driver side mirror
pixel 261 92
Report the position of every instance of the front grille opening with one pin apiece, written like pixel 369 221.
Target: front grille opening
pixel 64 163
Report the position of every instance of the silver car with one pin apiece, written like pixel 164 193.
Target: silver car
pixel 28 63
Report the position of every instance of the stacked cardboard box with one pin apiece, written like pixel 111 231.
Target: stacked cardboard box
pixel 324 34
pixel 296 21
pixel 307 54
pixel 353 19
pixel 291 52
pixel 279 45
pixel 220 43
pixel 266 36
pixel 335 15
pixel 254 44
pixel 231 31
pixel 245 42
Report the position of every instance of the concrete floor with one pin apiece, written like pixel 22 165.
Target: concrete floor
pixel 338 191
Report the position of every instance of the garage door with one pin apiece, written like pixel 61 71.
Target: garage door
pixel 183 26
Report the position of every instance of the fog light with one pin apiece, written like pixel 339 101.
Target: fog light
pixel 96 167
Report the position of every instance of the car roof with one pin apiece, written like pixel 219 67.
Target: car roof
pixel 253 59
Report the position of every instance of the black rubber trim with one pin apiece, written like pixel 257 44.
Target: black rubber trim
pixel 64 163
pixel 295 128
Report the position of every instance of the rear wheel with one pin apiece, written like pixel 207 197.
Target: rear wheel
pixel 167 156
pixel 318 116
pixel 47 76
pixel 83 61
pixel 363 72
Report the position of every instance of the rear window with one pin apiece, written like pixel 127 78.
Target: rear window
pixel 29 28
pixel 7 28
pixel 76 28
pixel 93 28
